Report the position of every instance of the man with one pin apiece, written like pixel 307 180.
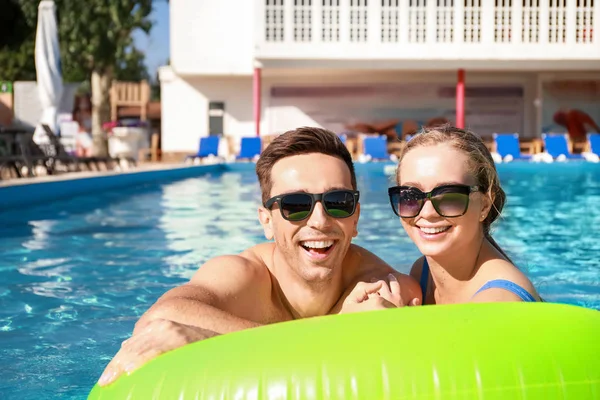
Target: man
pixel 577 122
pixel 310 209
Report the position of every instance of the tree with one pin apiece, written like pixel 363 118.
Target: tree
pixel 96 45
pixel 17 40
pixel 131 67
pixel 98 35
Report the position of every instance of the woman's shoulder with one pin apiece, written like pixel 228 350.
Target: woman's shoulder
pixel 499 268
pixel 500 271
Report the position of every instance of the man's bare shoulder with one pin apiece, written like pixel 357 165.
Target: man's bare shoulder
pixel 239 284
pixel 366 261
pixel 229 282
pixel 251 264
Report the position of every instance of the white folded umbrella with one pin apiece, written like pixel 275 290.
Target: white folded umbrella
pixel 47 64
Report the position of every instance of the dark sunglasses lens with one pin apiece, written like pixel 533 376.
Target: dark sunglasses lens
pixel 296 207
pixel 339 204
pixel 408 203
pixel 451 204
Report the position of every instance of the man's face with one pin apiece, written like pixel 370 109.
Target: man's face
pixel 314 247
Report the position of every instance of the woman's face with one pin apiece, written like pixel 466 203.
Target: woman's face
pixel 426 168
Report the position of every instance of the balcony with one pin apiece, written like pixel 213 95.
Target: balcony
pixel 441 34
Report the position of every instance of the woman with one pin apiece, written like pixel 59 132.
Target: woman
pixel 82 114
pixel 447 197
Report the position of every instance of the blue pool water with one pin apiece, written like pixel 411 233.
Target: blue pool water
pixel 76 274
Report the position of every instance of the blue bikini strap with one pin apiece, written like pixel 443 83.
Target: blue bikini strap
pixel 424 278
pixel 494 284
pixel 507 285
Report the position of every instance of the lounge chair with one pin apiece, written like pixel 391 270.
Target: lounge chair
pixel 35 158
pixel 594 143
pixel 24 157
pixel 375 148
pixel 208 147
pixel 9 167
pixel 557 145
pixel 250 148
pixel 59 155
pixel 508 147
pixel 593 148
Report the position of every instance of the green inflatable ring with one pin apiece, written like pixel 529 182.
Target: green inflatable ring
pixel 466 351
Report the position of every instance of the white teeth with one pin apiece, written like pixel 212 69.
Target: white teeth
pixel 434 230
pixel 323 244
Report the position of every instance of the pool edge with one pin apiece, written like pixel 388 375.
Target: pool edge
pixel 24 193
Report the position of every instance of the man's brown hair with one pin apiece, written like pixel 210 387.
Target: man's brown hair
pixel 299 141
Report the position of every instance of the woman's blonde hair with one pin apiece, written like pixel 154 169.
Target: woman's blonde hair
pixel 480 164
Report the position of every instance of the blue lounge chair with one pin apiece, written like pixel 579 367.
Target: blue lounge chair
pixel 593 148
pixel 375 147
pixel 507 145
pixel 556 144
pixel 250 147
pixel 209 146
pixel 594 143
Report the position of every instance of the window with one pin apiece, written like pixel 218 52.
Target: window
pixel 358 20
pixel 331 21
pixel 445 21
pixel 472 21
pixel 302 20
pixel 503 21
pixel 417 22
pixel 274 20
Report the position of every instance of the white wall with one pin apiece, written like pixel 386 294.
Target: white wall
pixel 212 37
pixel 185 108
pixel 27 105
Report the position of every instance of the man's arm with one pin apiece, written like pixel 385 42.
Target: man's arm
pixel 223 296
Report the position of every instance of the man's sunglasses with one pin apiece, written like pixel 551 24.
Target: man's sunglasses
pixel 299 206
pixel 448 200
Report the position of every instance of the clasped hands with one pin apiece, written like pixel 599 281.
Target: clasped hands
pixel 376 295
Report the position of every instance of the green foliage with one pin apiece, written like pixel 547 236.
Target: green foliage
pixel 93 35
pixel 96 34
pixel 17 40
pixel 130 66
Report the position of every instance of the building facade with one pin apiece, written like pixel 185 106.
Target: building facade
pixel 248 67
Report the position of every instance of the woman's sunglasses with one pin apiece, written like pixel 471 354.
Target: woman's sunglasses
pixel 299 206
pixel 448 200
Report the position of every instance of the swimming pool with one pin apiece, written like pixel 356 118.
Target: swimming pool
pixel 76 274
